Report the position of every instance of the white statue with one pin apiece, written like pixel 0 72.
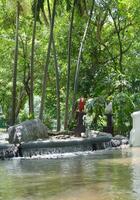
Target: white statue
pixel 108 108
pixel 135 132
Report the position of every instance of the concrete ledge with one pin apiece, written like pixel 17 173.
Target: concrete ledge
pixel 59 143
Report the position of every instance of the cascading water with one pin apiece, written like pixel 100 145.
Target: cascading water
pixel 60 146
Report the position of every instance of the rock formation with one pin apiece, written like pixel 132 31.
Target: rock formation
pixel 29 130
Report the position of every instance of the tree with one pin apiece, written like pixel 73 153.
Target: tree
pixel 31 98
pixel 105 53
pixel 47 63
pixel 69 66
pixel 14 94
pixel 79 58
pixel 56 71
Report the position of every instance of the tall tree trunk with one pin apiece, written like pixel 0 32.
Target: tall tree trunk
pixel 47 63
pixel 69 67
pixel 14 93
pixel 56 70
pixel 79 60
pixel 57 88
pixel 26 72
pixel 31 97
pixel 21 100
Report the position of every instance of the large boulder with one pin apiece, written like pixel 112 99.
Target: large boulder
pixel 29 130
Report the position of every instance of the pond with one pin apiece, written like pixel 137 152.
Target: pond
pixel 102 175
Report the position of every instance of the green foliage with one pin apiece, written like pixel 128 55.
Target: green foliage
pixel 136 101
pixel 95 110
pixel 109 65
pixel 123 106
pixel 24 116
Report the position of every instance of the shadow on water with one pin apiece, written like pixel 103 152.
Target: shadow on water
pixel 104 175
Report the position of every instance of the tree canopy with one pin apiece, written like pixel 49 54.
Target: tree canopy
pixel 79 48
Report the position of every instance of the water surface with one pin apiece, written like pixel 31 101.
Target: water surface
pixel 104 175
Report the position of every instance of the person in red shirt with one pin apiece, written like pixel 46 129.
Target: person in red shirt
pixel 81 104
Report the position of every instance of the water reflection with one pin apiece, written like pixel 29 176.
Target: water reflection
pixel 108 175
